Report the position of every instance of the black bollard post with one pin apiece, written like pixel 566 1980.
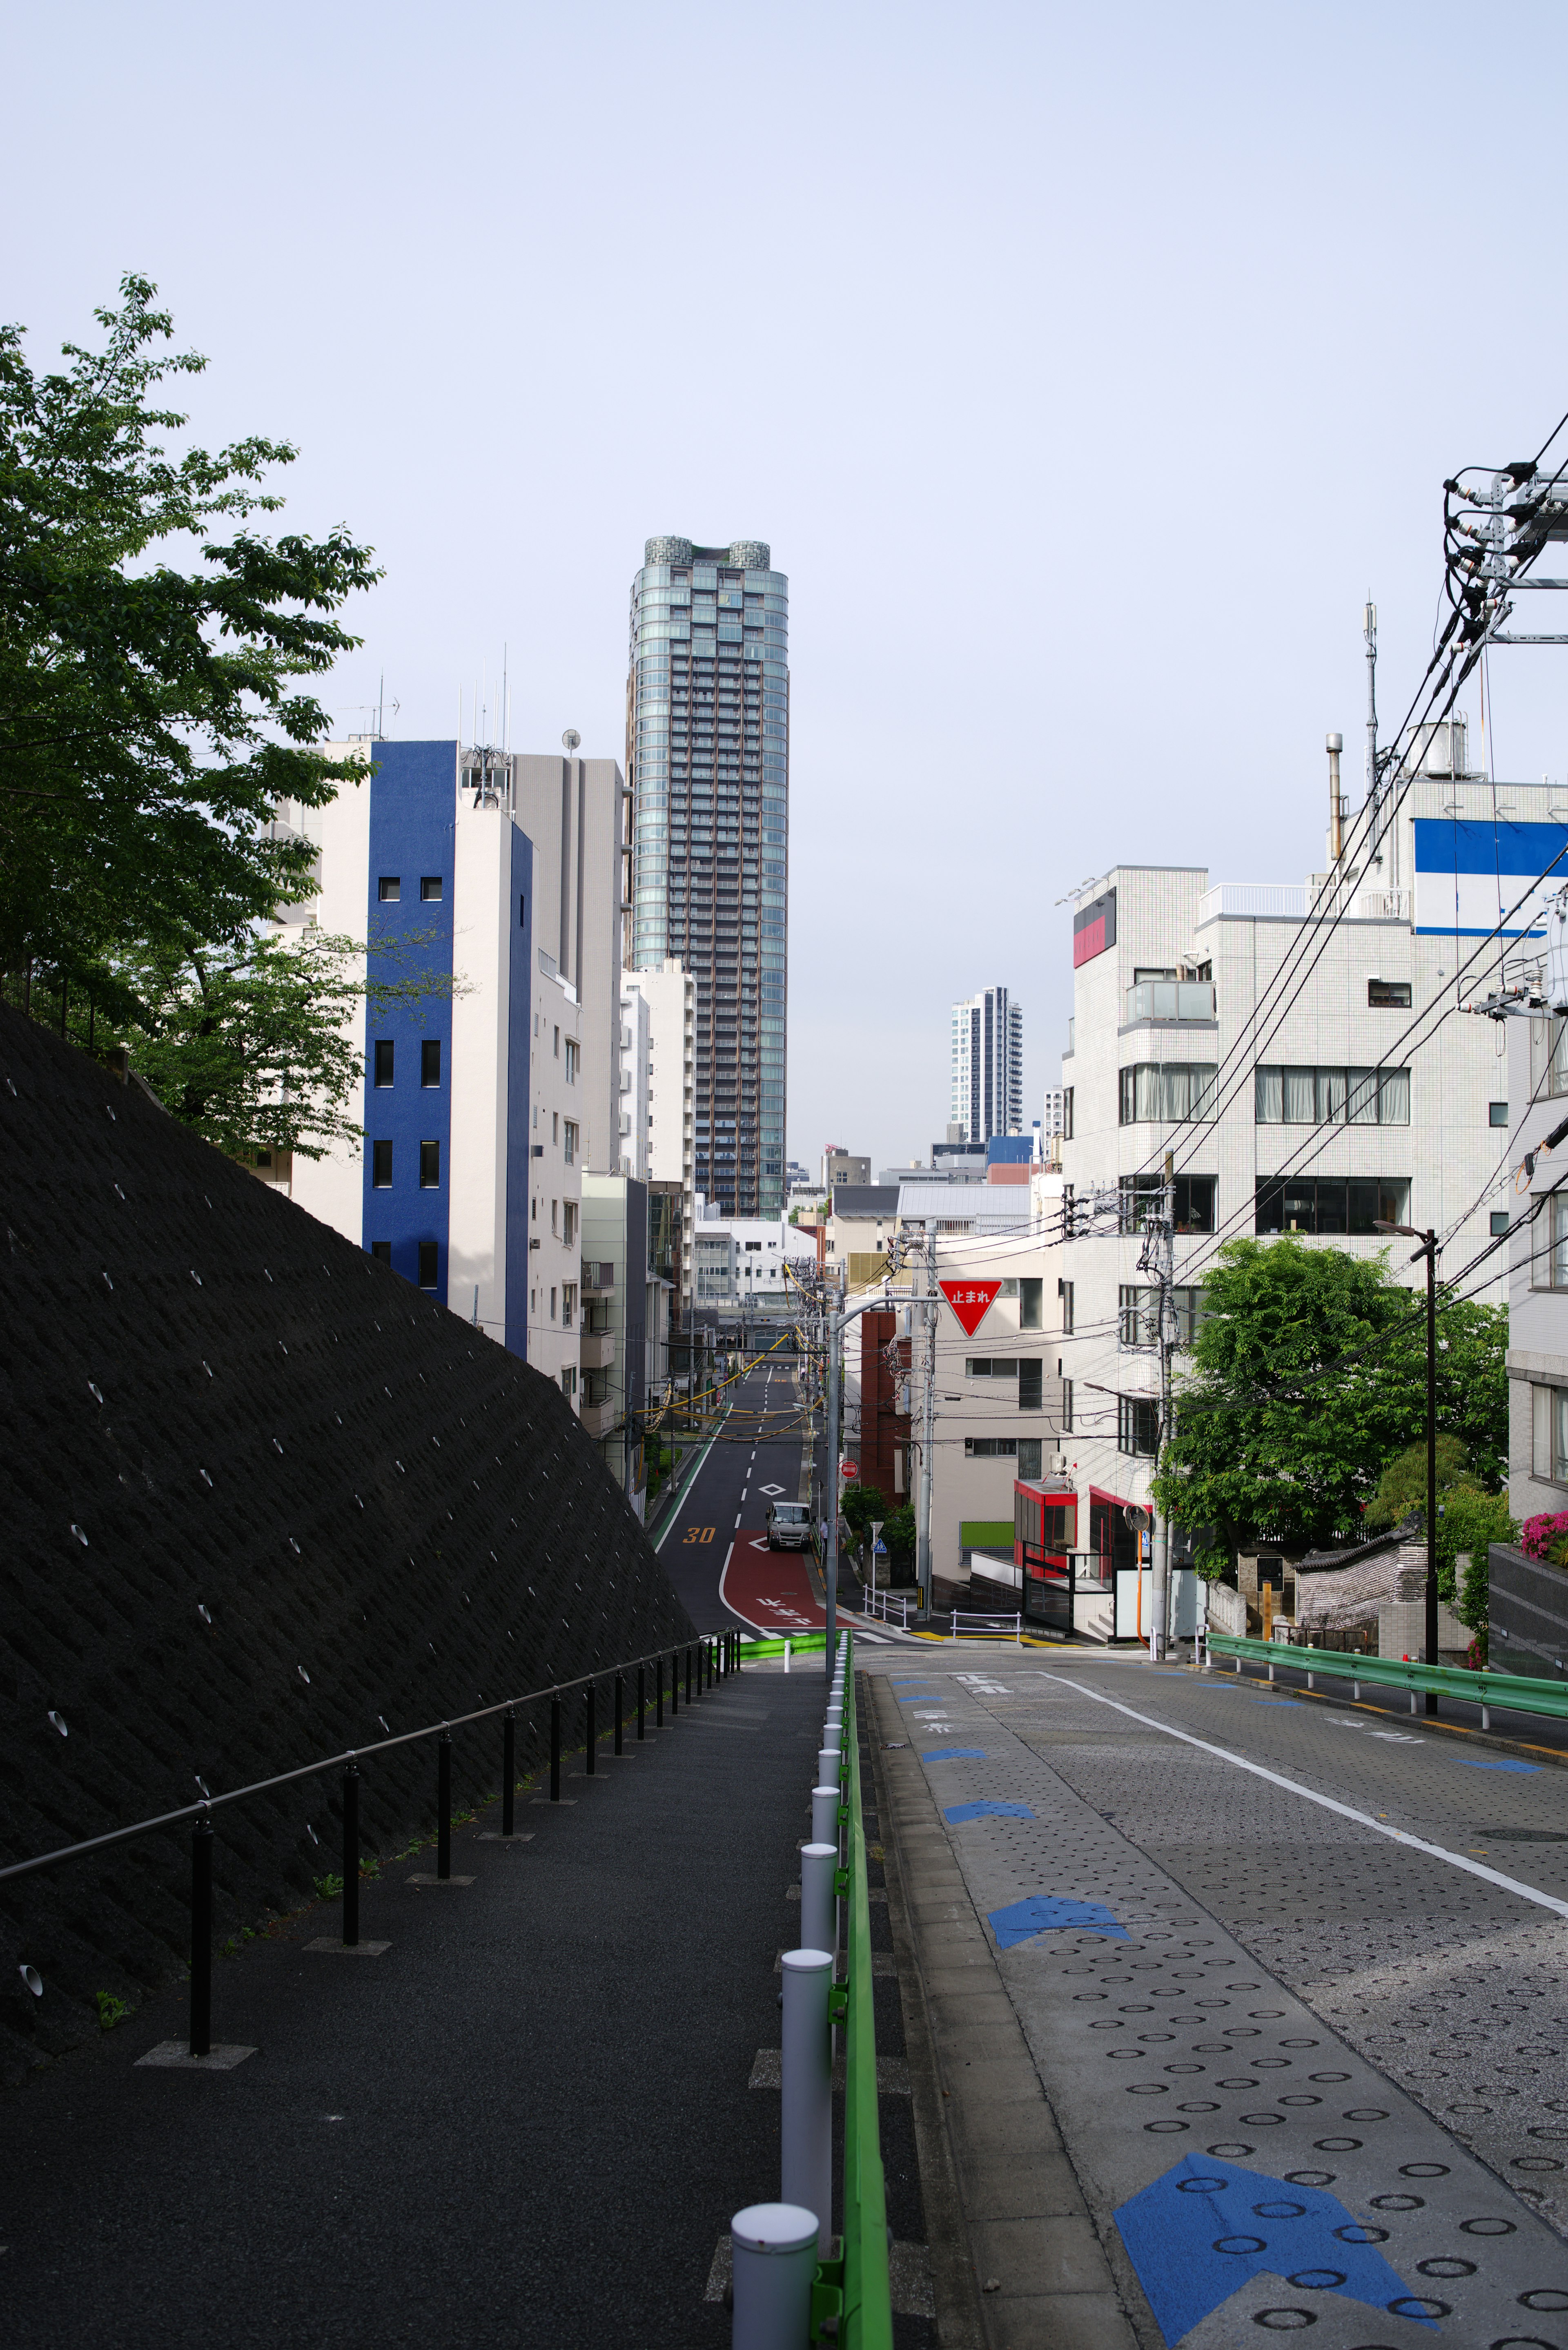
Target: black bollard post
pixel 508 1774
pixel 688 1676
pixel 554 1749
pixel 590 1739
pixel 675 1685
pixel 202 1938
pixel 444 1805
pixel 641 1700
pixel 659 1694
pixel 350 1855
pixel 619 1711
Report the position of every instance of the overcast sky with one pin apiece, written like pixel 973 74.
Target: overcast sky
pixel 1082 368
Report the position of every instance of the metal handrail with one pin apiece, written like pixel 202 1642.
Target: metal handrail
pixel 864 2294
pixel 207 1805
pixel 993 1620
pixel 1514 1692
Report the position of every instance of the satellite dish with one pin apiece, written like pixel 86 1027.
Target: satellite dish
pixel 571 738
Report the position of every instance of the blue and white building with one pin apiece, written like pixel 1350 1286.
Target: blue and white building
pixel 468 1183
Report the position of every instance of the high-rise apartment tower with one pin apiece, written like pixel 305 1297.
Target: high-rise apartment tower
pixel 986 1074
pixel 707 763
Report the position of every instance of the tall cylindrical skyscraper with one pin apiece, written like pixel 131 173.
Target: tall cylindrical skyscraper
pixel 707 758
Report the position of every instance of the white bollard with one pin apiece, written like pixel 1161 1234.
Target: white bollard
pixel 773 2247
pixel 806 2143
pixel 825 1816
pixel 829 1763
pixel 761 2206
pixel 819 1895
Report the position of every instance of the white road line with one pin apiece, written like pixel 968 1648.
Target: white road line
pixel 737 1529
pixel 1328 1803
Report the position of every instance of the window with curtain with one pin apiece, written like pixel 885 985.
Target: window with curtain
pixel 1163 1093
pixel 1549 1449
pixel 1329 1097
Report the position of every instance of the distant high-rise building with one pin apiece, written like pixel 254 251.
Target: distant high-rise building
pixel 986 1074
pixel 708 764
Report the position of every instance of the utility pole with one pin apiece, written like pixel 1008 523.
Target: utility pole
pixel 1429 1249
pixel 927 1434
pixel 1159 1256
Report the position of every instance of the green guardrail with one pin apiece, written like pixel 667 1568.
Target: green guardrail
pixel 853 2291
pixel 799 1644
pixel 1510 1692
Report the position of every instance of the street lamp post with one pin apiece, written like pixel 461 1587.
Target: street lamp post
pixel 1429 1249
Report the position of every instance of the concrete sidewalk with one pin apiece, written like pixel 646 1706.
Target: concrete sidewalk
pixel 527 2122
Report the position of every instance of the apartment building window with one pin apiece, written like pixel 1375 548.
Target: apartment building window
pixel 1064 1292
pixel 1548 1057
pixel 1138 1425
pixel 380 1166
pixel 1030 1383
pixel 1066 1403
pixel 569 1223
pixel 574 1053
pixel 389 889
pixel 429 889
pixel 1142 1196
pixel 571 1143
pixel 555 1124
pixel 552 1302
pixel 569 1380
pixel 555 1212
pixel 383 1063
pixel 991 1447
pixel 1549 1424
pixel 430 1063
pixel 427 1265
pixel 990 1367
pixel 1067 1114
pixel 1498 1223
pixel 557 1052
pixel 1497 1113
pixel 1550 1268
pixel 1318 1096
pixel 568 1304
pixel 1388 994
pixel 381 1250
pixel 1165 1092
pixel 430 1166
pixel 1031 1304
pixel 1331 1205
pixel 1029 1452
pixel 1137 1307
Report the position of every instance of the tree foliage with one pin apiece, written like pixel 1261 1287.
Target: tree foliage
pixel 149 718
pixel 1402 1484
pixel 1308 1375
pixel 254 1043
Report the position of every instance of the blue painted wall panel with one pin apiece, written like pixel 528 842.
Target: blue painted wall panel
pixel 412 802
pixel 519 1082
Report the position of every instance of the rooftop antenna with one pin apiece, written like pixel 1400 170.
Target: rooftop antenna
pixel 1369 624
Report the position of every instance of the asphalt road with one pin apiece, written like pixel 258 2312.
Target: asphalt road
pixel 1409 1886
pixel 758 1446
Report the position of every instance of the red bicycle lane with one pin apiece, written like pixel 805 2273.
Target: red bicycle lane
pixel 770 1590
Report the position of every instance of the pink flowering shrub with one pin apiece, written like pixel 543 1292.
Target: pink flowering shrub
pixel 1539 1536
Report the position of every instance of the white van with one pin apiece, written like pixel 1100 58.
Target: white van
pixel 789 1525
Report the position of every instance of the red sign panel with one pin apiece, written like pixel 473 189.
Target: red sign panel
pixel 1094 928
pixel 971 1301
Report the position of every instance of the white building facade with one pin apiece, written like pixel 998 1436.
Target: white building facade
pixel 986 1067
pixel 1303 1080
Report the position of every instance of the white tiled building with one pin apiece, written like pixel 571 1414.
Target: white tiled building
pixel 555 1180
pixel 1298 1111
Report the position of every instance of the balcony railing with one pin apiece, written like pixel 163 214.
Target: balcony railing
pixel 1171 999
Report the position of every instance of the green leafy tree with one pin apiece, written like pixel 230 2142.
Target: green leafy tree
pixel 150 642
pixel 1402 1484
pixel 1308 1375
pixel 254 1043
pixel 860 1504
pixel 899 1533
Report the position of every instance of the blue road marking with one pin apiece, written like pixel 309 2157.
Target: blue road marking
pixel 953 1753
pixel 1278 1700
pixel 1474 1763
pixel 988 1810
pixel 1021 1920
pixel 1202 2231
